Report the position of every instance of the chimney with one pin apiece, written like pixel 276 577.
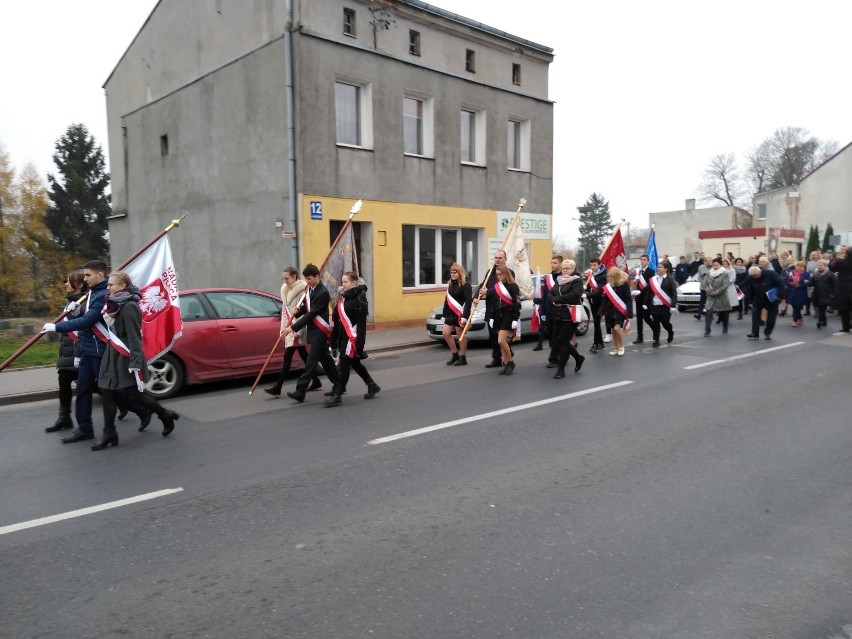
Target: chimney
pixel 690 205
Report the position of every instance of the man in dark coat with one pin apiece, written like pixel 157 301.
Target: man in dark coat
pixel 543 302
pixel 314 314
pixel 642 294
pixel 765 290
pixel 484 288
pixel 682 271
pixel 663 299
pixel 842 303
pixel 594 291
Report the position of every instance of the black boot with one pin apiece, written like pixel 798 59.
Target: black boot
pixel 453 359
pixel 560 373
pixel 275 391
pixel 168 418
pixel 62 422
pixel 109 438
pixel 372 389
pixel 334 399
pixel 145 419
pixel 462 361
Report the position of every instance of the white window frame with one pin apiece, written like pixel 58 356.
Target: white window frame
pixel 759 205
pixel 365 115
pixel 523 143
pixel 479 131
pixel 427 124
pixel 349 22
pixel 439 251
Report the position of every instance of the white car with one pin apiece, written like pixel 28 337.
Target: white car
pixel 689 294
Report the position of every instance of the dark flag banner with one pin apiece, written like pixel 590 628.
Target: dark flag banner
pixel 341 258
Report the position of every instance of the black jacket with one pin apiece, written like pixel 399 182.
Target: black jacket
pixel 354 309
pixel 320 299
pixel 596 296
pixel 462 294
pixel 564 295
pixel 500 308
pixel 68 347
pixel 757 287
pixel 669 287
pixel 823 288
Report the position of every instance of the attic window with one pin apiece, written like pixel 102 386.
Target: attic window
pixel 414 42
pixel 164 145
pixel 470 61
pixel 349 22
pixel 516 74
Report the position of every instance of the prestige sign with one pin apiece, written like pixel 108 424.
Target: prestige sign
pixel 534 226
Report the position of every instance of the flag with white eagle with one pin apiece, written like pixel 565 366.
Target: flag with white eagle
pixel 518 260
pixel 153 272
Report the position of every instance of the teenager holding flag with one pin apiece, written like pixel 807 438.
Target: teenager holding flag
pixel 663 301
pixel 505 303
pixel 457 306
pixel 617 306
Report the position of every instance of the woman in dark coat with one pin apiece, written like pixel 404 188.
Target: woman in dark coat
pixel 823 284
pixel 617 307
pixel 842 266
pixel 456 313
pixel 565 294
pixel 798 281
pixel 505 299
pixel 347 317
pixel 123 367
pixel 69 353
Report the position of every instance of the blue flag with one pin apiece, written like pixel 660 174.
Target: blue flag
pixel 652 250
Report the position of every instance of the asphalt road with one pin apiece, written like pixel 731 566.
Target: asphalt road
pixel 687 499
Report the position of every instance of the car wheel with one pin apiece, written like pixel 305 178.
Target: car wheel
pixel 165 377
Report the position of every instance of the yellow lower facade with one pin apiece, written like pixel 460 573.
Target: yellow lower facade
pixel 395 242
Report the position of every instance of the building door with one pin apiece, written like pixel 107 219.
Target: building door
pixel 731 247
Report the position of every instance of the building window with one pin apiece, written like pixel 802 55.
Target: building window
pixel 349 22
pixel 472 137
pixel 470 61
pixel 518 145
pixel 428 253
pixel 352 103
pixel 164 145
pixel 414 42
pixel 417 125
pixel 761 211
pixel 516 74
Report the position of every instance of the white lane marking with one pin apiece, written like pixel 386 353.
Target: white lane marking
pixel 86 511
pixel 504 411
pixel 743 356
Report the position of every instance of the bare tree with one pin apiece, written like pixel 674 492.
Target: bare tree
pixel 722 181
pixel 785 158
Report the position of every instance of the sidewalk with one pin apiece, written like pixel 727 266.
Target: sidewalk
pixel 19 385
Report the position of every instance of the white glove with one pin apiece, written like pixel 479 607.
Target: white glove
pixel 544 318
pixel 514 325
pixel 463 321
pixel 76 362
pixel 491 323
pixel 140 385
pixel 635 293
pixel 584 296
pixel 72 306
pixel 48 328
pixel 645 306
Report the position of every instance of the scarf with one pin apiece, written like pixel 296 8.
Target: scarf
pixel 714 273
pixel 564 279
pixel 115 302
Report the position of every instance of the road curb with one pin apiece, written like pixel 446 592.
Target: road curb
pixel 22 398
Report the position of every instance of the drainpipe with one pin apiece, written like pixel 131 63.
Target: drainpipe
pixel 291 131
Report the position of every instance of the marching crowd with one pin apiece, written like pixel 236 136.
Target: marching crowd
pixel 101 337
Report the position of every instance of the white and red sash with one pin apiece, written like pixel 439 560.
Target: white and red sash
pixel 578 313
pixel 591 282
pixel 455 306
pixel 99 330
pixel 350 328
pixel 740 294
pixel 319 322
pixel 640 278
pixel 659 292
pixel 618 303
pixel 289 317
pixel 503 293
pixel 71 334
pixel 549 282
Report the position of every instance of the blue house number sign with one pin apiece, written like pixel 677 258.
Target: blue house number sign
pixel 316 210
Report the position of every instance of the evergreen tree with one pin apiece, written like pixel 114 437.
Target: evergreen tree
pixel 80 200
pixel 813 241
pixel 595 226
pixel 826 240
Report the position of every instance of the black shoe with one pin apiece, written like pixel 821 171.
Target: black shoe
pixel 77 436
pixel 274 391
pixel 122 413
pixel 332 401
pixel 655 343
pixel 453 359
pixel 551 365
pixel 594 348
pixel 697 316
pixel 560 373
pixel 638 340
pixel 462 361
pixel 510 367
pixel 145 419
pixel 724 329
pixel 495 363
pixel 362 355
pixel 538 347
pixel 62 423
pixel 296 396
pixel 752 336
pixel 169 422
pixel 740 316
pixel 807 312
pixel 579 365
pixel 108 439
pixel 331 392
pixel 767 338
pixel 372 389
pixel 670 338
pixel 315 385
pixel 782 314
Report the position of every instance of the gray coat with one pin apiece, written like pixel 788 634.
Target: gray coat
pixel 115 367
pixel 717 292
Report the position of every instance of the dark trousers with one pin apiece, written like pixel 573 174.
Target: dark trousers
pixel 596 322
pixel 723 320
pixel 111 401
pixel 66 393
pixel 288 361
pixel 492 339
pixel 820 309
pixel 662 318
pixel 563 333
pixel 344 365
pixel 87 378
pixel 642 316
pixel 771 315
pixel 797 312
pixel 317 355
pixel 543 331
pixel 844 319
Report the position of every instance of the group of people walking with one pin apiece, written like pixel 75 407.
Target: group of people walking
pixel 101 348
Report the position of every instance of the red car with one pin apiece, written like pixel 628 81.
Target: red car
pixel 227 334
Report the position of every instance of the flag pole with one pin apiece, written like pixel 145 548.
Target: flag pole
pixel 62 315
pixel 355 208
pixel 521 204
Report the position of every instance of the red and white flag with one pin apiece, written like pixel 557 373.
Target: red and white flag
pixel 153 271
pixel 614 253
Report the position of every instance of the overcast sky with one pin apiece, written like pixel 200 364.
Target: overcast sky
pixel 646 92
